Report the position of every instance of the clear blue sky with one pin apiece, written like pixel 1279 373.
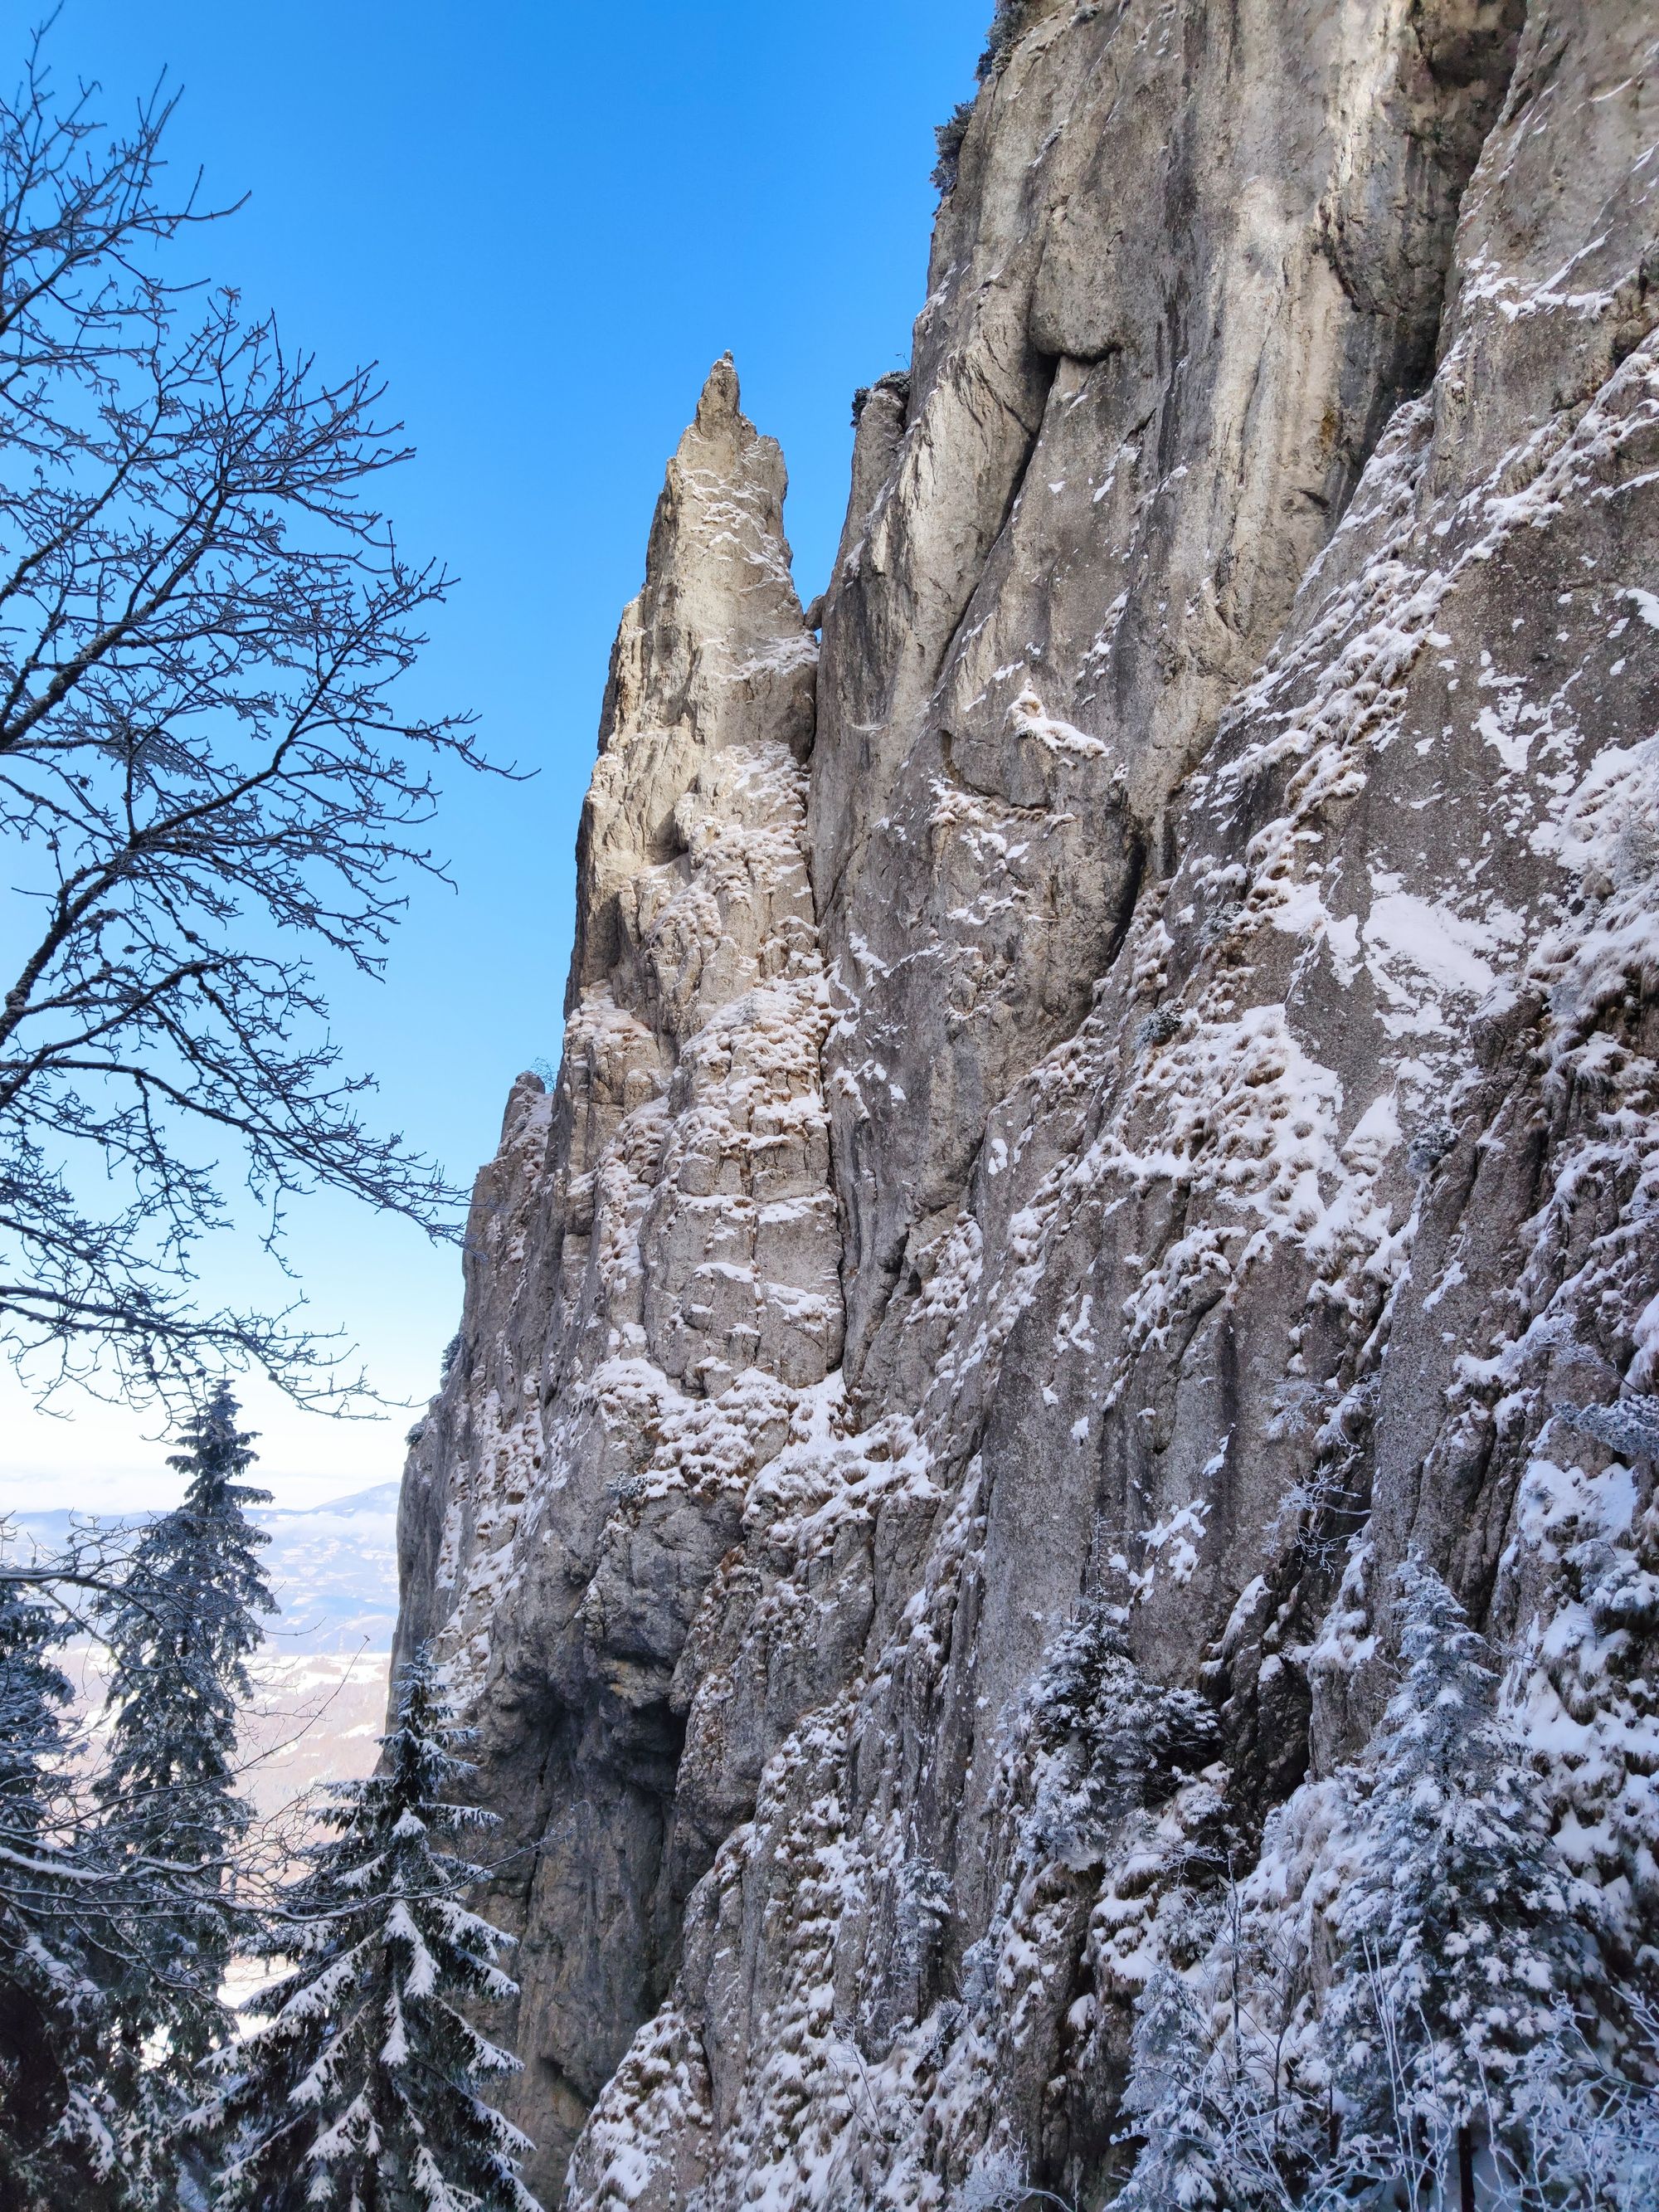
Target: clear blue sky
pixel 545 221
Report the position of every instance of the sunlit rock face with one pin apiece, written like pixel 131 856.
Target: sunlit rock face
pixel 1120 1092
pixel 653 1305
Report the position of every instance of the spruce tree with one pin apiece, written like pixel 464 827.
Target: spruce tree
pixel 55 2140
pixel 180 1632
pixel 1107 1740
pixel 1182 2166
pixel 1227 2123
pixel 362 2090
pixel 1460 1939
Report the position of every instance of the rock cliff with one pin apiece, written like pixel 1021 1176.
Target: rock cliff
pixel 1115 1094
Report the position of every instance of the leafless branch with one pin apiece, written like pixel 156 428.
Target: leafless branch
pixel 209 784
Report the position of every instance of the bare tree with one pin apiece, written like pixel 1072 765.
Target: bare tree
pixel 206 784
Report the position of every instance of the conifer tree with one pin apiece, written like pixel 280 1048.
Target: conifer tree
pixel 1107 1740
pixel 362 2090
pixel 1226 2122
pixel 1181 2165
pixel 54 2138
pixel 181 1631
pixel 1460 1939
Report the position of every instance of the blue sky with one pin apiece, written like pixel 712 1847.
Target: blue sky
pixel 545 221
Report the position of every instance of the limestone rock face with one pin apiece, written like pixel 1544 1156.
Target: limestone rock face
pixel 1190 1001
pixel 652 1300
pixel 1191 265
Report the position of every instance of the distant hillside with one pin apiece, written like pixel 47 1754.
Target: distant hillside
pixel 333 1567
pixel 314 1718
pixel 320 1699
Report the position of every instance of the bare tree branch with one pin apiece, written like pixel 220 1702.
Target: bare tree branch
pixel 206 782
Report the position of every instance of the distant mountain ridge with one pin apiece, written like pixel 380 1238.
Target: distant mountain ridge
pixel 333 1567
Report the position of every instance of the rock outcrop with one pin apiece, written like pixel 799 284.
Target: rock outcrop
pixel 1120 1096
pixel 653 1295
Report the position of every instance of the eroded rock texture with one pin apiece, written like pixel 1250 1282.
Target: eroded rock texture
pixel 1143 1116
pixel 652 1301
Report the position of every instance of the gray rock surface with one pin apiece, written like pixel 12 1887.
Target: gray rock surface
pixel 652 1298
pixel 1139 1114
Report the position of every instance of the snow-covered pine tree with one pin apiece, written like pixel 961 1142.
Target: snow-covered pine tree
pixel 361 2092
pixel 1182 2164
pixel 54 2141
pixel 180 1633
pixel 1226 2120
pixel 1460 1940
pixel 1105 1739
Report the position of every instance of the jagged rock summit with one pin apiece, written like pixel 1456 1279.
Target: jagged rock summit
pixel 1115 1100
pixel 653 1295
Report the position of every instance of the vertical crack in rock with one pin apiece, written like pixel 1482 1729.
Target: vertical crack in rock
pixel 1232 819
pixel 1135 418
